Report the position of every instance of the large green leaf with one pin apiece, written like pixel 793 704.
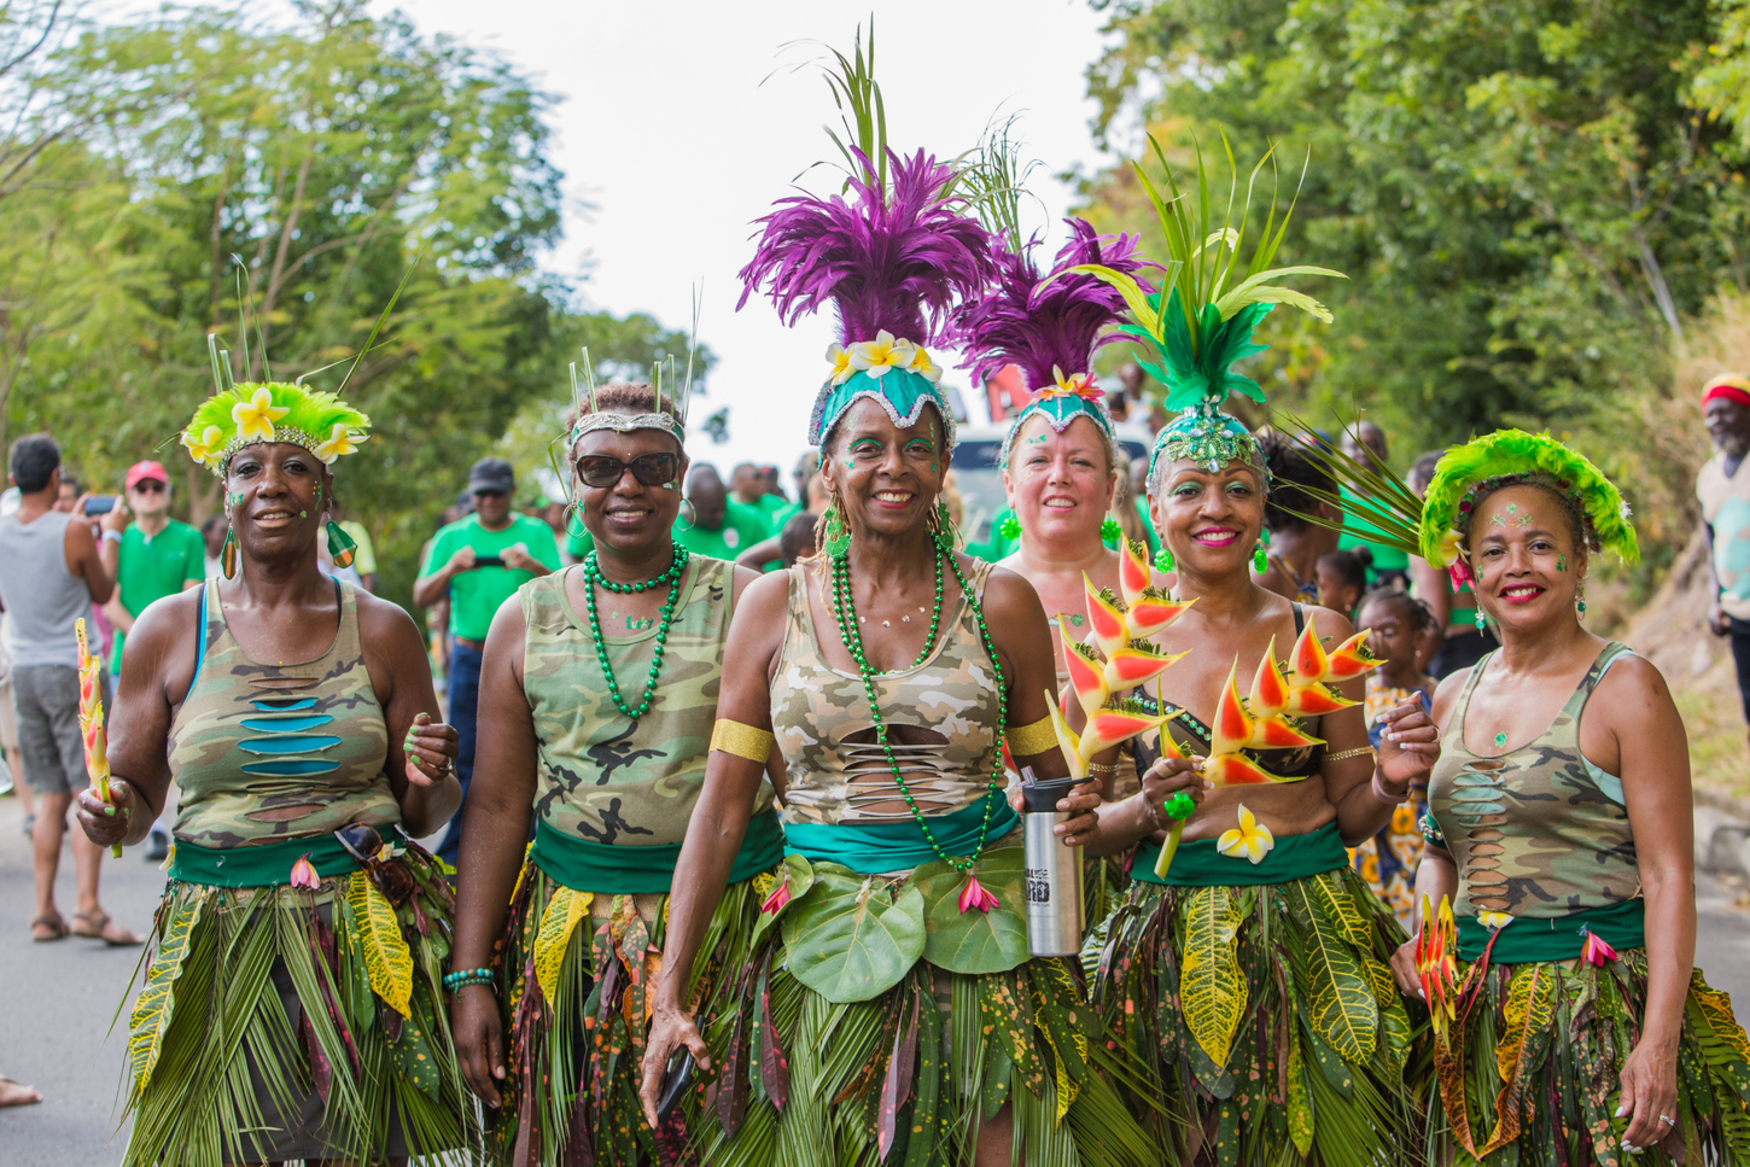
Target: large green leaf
pixel 852 939
pixel 1344 1010
pixel 800 875
pixel 975 942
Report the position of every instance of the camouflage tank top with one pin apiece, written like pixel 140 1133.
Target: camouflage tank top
pixel 254 743
pixel 1539 831
pixel 817 710
pixel 601 777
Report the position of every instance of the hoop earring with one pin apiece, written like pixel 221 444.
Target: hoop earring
pixel 574 512
pixel 692 514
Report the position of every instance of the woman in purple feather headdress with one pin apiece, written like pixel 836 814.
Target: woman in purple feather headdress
pixel 896 1013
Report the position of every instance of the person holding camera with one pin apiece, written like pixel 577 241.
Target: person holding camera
pixel 478 562
pixel 51 571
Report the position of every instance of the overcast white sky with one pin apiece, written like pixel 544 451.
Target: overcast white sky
pixel 664 127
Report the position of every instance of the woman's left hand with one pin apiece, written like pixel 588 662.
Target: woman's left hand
pixel 1081 803
pixel 1410 744
pixel 1649 1094
pixel 431 749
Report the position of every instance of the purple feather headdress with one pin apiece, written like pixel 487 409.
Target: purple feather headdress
pixel 1049 326
pixel 895 261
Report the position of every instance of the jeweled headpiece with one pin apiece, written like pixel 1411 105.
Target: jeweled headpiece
pixel 1049 326
pixel 1200 321
pixel 249 413
pixel 672 421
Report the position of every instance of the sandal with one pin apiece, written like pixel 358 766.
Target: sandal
pixel 102 927
pixel 12 1094
pixel 46 928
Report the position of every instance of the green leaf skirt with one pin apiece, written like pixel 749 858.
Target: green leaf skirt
pixel 260 1034
pixel 1531 1075
pixel 1268 1021
pixel 576 988
pixel 904 1026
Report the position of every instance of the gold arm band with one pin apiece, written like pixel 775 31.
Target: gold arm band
pixel 744 741
pixel 1343 755
pixel 1038 738
pixel 1101 768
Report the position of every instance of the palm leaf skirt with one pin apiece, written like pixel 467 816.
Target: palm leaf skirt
pixel 1268 1019
pixel 1532 1077
pixel 577 988
pixel 264 1030
pixel 902 1061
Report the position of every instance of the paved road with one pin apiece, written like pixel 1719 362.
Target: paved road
pixel 56 1002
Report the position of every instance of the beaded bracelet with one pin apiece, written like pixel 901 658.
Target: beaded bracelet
pixel 468 976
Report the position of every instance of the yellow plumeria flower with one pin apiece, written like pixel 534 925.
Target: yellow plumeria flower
pixel 840 358
pixel 256 416
pixel 340 441
pixel 1494 921
pixel 1251 839
pixel 206 448
pixel 875 357
pixel 923 366
pixel 1451 548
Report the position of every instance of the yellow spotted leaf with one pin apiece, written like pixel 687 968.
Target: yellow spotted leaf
pixel 1344 1009
pixel 1300 1115
pixel 564 910
pixel 1717 1008
pixel 1525 1032
pixel 1335 899
pixel 388 961
pixel 1385 988
pixel 152 1009
pixel 1212 989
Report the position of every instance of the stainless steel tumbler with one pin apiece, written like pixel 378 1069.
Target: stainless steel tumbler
pixel 1053 875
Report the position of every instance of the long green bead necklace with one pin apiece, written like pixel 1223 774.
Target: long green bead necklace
pixel 592 576
pixel 845 612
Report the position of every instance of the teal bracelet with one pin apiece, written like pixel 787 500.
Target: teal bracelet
pixel 468 976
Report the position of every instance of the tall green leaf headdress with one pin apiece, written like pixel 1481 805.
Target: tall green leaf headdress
pixel 1200 321
pixel 664 382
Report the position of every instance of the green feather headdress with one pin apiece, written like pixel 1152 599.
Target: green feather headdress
pixel 1199 322
pixel 248 413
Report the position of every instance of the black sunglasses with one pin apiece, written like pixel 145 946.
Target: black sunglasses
pixel 600 470
pixel 147 486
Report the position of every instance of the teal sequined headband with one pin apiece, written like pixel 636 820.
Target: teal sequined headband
pixel 1205 435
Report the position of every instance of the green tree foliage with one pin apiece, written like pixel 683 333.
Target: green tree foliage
pixel 1532 198
pixel 288 175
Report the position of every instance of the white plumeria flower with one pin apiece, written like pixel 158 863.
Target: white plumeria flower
pixel 840 359
pixel 1451 548
pixel 1251 838
pixel 207 447
pixel 923 366
pixel 875 357
pixel 341 441
pixel 256 416
pixel 1494 921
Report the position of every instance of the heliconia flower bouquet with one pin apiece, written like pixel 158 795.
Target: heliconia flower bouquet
pixel 1118 657
pixel 1261 722
pixel 91 718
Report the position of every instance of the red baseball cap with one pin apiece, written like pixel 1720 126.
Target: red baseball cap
pixel 148 469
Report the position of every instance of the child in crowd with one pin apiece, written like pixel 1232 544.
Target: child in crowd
pixel 1342 579
pixel 1397 624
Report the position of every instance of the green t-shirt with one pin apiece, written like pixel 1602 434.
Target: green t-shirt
pixel 1356 532
pixel 743 526
pixel 475 595
pixel 150 567
pixel 772 509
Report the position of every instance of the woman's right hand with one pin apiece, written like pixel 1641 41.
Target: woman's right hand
pixel 1166 778
pixel 1403 967
pixel 479 1037
pixel 106 823
pixel 670 1029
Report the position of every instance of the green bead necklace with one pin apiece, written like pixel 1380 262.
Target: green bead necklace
pixel 845 612
pixel 592 576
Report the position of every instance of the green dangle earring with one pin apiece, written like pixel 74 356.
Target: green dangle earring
pixel 942 530
pixel 1110 530
pixel 838 532
pixel 228 553
pixel 341 547
pixel 1163 560
pixel 1010 527
pixel 1261 552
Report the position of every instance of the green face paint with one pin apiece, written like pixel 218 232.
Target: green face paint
pixel 1561 563
pixel 233 498
pixel 850 465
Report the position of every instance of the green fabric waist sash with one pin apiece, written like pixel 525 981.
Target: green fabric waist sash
pixel 1199 864
pixel 1528 940
pixel 582 865
pixel 873 848
pixel 268 865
